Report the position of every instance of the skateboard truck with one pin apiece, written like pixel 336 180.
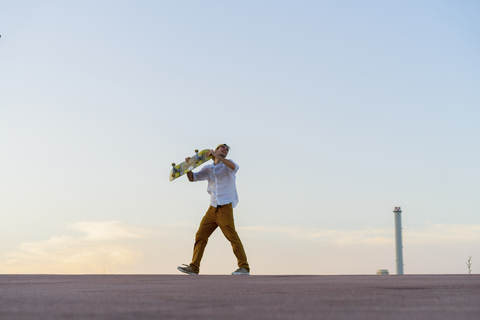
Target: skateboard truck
pixel 174 170
pixel 197 157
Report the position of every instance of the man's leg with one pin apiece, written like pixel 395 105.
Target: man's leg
pixel 227 225
pixel 207 226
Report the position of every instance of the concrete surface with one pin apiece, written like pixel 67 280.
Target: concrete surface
pixel 239 297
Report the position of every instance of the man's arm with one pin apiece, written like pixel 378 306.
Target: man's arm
pixel 189 173
pixel 221 158
pixel 227 162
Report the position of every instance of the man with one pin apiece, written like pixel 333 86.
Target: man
pixel 223 198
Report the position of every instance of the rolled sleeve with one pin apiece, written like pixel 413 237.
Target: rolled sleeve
pixel 236 167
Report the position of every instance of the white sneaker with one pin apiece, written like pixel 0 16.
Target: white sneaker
pixel 241 271
pixel 187 269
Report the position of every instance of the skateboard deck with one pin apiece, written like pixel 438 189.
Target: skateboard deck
pixel 184 167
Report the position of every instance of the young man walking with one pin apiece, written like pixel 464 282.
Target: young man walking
pixel 223 198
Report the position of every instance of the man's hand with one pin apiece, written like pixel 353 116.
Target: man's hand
pixel 211 153
pixel 187 159
pixel 216 155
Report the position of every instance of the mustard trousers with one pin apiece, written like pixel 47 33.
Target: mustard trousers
pixel 221 216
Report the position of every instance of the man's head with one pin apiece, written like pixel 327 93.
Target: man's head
pixel 222 149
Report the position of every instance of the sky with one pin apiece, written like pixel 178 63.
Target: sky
pixel 336 112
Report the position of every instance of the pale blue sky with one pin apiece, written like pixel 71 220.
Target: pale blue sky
pixel 336 111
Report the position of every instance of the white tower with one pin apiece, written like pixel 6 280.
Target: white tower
pixel 398 239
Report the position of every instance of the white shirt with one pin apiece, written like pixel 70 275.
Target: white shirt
pixel 221 183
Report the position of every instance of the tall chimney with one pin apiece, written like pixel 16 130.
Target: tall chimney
pixel 398 239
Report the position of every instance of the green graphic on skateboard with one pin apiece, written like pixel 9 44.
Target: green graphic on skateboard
pixel 193 162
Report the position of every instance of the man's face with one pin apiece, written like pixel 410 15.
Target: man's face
pixel 223 150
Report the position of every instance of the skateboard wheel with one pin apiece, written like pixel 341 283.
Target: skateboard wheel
pixel 173 164
pixel 196 150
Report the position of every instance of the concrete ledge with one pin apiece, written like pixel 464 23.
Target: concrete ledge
pixel 239 297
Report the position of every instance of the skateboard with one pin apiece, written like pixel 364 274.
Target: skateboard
pixel 184 167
